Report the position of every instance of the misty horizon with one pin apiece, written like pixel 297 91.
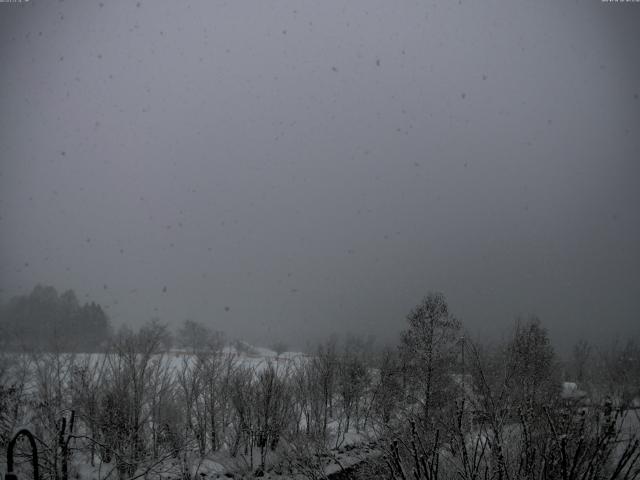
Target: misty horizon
pixel 287 172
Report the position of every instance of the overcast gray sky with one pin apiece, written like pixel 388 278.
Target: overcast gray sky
pixel 289 169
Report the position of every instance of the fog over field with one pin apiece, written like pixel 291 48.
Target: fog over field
pixel 320 239
pixel 285 170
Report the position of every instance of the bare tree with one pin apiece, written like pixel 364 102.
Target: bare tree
pixel 429 346
pixel 137 372
pixel 273 404
pixel 619 372
pixel 195 336
pixel 581 358
pixel 14 378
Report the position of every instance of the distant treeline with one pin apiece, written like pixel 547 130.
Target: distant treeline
pixel 46 320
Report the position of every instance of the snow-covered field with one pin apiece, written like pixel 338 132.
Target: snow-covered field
pixel 43 370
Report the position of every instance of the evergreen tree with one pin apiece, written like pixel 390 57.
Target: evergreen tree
pixel 45 320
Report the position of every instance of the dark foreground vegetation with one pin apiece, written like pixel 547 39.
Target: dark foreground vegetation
pixel 438 406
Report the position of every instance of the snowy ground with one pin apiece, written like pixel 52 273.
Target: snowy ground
pixel 353 446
